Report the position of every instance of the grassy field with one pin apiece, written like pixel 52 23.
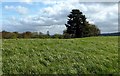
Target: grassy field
pixel 91 55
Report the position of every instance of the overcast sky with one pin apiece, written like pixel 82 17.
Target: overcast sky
pixel 51 15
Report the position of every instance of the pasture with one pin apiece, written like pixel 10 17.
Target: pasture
pixel 90 55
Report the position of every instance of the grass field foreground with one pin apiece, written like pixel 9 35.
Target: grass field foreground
pixel 92 55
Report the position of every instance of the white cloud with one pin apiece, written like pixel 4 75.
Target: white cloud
pixel 49 1
pixel 27 1
pixel 104 11
pixel 19 9
pixel 9 7
pixel 53 17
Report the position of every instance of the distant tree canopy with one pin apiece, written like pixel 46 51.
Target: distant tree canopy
pixel 14 35
pixel 77 26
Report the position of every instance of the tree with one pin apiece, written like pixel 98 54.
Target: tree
pixel 90 30
pixel 77 26
pixel 66 35
pixel 58 36
pixel 27 34
pixel 48 33
pixel 16 34
pixel 8 35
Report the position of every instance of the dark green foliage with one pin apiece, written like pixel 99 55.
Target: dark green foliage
pixel 77 26
pixel 59 36
pixel 8 35
pixel 27 34
pixel 90 30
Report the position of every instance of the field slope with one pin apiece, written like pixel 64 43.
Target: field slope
pixel 97 55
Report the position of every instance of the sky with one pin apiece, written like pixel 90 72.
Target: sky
pixel 51 15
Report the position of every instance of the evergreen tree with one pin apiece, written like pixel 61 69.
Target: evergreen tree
pixel 77 26
pixel 75 23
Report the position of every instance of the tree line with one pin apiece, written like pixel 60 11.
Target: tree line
pixel 28 34
pixel 77 27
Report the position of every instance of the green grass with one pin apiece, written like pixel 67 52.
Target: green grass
pixel 93 55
